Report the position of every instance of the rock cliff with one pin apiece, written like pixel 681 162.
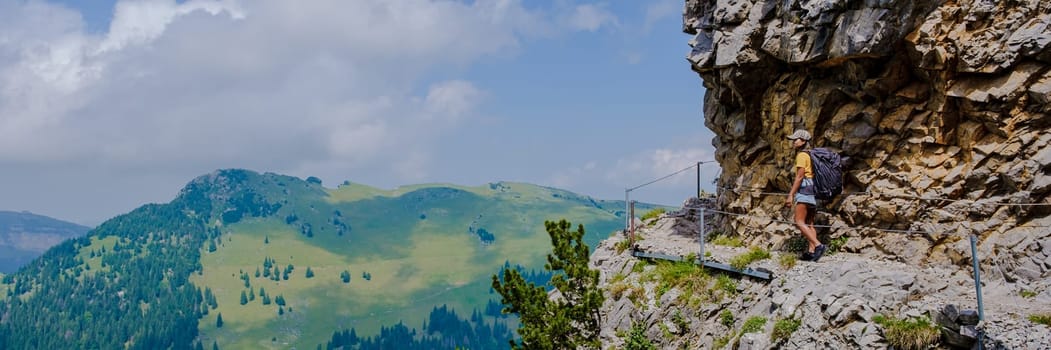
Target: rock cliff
pixel 941 107
pixel 942 110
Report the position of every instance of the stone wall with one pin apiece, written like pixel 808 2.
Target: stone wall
pixel 928 99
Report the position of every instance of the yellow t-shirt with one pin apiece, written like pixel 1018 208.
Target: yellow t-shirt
pixel 803 161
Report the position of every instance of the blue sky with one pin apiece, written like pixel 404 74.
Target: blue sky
pixel 108 105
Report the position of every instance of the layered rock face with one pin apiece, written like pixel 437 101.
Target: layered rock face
pixel 942 108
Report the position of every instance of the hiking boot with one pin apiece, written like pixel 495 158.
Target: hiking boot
pixel 807 256
pixel 819 251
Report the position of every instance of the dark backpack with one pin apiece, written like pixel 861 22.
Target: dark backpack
pixel 828 173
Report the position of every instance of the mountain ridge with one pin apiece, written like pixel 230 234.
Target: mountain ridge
pixel 377 258
pixel 25 235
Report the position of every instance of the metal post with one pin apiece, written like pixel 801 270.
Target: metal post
pixel 977 277
pixel 702 235
pixel 698 180
pixel 632 224
pixel 627 218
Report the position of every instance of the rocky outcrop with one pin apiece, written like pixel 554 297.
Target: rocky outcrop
pixel 942 108
pixel 835 302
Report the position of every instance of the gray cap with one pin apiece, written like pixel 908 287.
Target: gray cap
pixel 800 134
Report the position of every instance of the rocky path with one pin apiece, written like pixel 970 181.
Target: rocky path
pixel 835 299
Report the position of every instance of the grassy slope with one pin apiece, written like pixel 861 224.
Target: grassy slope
pixel 416 263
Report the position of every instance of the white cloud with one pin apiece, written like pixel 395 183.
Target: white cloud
pixel 656 11
pixel 174 89
pixel 633 57
pixel 216 82
pixel 452 99
pixel 639 169
pixel 574 176
pixel 591 17
pixel 657 163
pixel 139 22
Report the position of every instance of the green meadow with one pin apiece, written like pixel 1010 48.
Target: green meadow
pixel 422 245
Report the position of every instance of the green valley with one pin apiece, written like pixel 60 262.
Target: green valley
pixel 237 244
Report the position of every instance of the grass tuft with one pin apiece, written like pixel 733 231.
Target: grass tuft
pixel 680 321
pixel 784 328
pixel 637 295
pixel 726 284
pixel 728 241
pixel 1044 319
pixel 1027 293
pixel 913 334
pixel 788 261
pixel 835 245
pixel 721 342
pixel 616 290
pixel 684 275
pixel 726 318
pixel 754 254
pixel 652 214
pixel 753 324
pixel 640 265
pixel 622 246
pixel 637 340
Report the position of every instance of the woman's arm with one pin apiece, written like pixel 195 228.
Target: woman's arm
pixel 795 185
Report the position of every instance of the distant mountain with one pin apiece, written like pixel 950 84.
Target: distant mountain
pixel 24 236
pixel 247 260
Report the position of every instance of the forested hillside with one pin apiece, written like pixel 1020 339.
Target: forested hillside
pixel 246 260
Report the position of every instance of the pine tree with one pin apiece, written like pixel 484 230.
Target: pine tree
pixel 219 321
pixel 244 298
pixel 570 321
pixel 310 273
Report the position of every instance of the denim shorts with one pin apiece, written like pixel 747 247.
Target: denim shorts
pixel 806 186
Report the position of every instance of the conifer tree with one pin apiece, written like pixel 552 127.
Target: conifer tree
pixel 568 321
pixel 219 321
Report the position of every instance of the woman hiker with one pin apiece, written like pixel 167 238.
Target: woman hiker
pixel 802 194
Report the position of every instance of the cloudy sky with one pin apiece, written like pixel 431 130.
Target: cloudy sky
pixel 107 105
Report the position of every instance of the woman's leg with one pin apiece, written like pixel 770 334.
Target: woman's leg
pixel 804 221
pixel 810 214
